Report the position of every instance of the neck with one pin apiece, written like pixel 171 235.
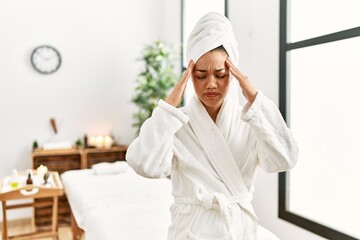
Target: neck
pixel 213 112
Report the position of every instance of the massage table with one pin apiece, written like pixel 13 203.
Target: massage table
pixel 117 206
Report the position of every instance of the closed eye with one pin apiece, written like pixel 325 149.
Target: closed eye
pixel 222 76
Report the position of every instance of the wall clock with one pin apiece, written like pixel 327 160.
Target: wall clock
pixel 45 59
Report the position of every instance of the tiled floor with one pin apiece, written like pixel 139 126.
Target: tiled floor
pixel 24 226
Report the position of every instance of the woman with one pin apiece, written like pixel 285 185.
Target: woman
pixel 213 146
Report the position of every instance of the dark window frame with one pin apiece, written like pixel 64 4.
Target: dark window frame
pixel 283 211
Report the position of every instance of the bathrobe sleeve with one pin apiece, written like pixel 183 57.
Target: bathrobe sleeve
pixel 150 154
pixel 275 146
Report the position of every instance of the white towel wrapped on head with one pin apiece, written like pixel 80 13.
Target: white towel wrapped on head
pixel 110 168
pixel 212 31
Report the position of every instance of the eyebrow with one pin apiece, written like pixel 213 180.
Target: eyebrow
pixel 216 70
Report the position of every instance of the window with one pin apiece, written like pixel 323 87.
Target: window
pixel 191 12
pixel 319 99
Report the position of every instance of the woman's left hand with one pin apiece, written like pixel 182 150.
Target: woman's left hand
pixel 247 88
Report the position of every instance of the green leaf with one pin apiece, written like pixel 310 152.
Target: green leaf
pixel 155 81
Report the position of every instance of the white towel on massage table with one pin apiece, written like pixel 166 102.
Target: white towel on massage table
pixel 118 206
pixel 110 168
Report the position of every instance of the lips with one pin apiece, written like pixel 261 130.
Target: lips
pixel 211 94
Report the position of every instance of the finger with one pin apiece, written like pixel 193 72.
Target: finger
pixel 190 66
pixel 232 67
pixel 235 71
pixel 229 62
pixel 188 71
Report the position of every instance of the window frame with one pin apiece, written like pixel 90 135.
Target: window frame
pixel 283 187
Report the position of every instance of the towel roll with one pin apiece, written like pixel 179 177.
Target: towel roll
pixel 211 31
pixel 110 168
pixel 57 145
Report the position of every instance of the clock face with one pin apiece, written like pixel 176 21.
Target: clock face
pixel 45 59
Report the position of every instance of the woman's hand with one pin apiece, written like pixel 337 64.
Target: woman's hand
pixel 247 88
pixel 176 95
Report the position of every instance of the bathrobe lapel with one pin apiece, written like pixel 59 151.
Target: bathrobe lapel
pixel 212 141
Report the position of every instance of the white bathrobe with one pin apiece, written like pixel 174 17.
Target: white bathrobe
pixel 213 165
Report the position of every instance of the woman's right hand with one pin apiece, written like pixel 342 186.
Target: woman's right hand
pixel 176 95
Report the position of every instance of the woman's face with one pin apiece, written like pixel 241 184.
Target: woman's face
pixel 211 79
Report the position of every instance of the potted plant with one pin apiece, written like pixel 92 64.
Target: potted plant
pixel 155 81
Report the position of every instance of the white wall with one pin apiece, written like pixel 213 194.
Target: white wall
pixel 100 42
pixel 171 28
pixel 256 25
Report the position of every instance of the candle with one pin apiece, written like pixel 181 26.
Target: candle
pixel 92 141
pixel 99 141
pixel 42 170
pixel 108 142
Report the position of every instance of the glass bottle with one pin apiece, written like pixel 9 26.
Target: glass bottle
pixel 29 181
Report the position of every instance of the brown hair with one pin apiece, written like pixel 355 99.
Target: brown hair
pixel 220 48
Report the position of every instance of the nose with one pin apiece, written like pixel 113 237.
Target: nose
pixel 211 83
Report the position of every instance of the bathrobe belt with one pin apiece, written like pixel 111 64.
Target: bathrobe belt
pixel 217 201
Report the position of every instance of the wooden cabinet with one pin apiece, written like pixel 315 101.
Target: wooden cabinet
pixel 64 160
pixel 60 161
pixel 93 155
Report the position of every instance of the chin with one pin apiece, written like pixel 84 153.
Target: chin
pixel 216 103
